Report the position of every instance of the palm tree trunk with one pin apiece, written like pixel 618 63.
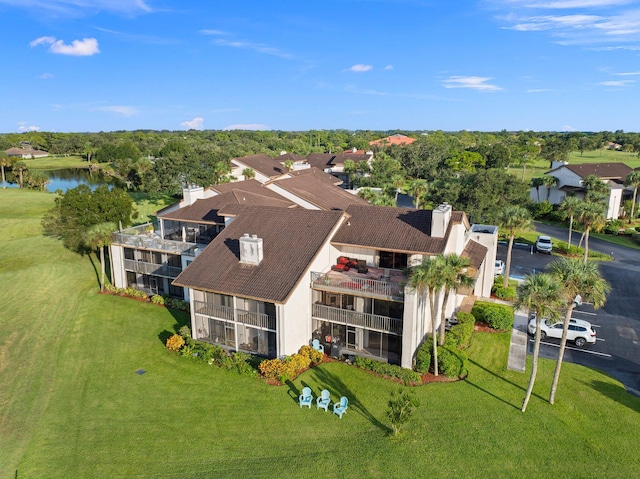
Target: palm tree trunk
pixel 442 315
pixel 633 203
pixel 570 231
pixel 586 244
pixel 102 268
pixel 505 282
pixel 563 344
pixel 4 180
pixel 581 240
pixel 534 368
pixel 524 169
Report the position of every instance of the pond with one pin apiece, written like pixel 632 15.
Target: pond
pixel 67 178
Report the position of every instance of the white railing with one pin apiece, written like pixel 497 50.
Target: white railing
pixel 364 320
pixel 143 267
pixel 364 286
pixel 226 313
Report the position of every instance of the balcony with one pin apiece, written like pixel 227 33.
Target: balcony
pixel 374 322
pixel 226 313
pixel 154 269
pixel 138 237
pixel 360 284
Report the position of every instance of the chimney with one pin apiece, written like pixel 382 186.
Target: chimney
pixel 440 217
pixel 250 249
pixel 191 194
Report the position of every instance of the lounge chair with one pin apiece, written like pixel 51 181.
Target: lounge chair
pixel 315 344
pixel 339 408
pixel 323 400
pixel 306 398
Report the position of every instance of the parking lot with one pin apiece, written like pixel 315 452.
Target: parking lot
pixel 617 324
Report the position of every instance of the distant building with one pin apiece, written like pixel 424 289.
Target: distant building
pixel 25 153
pixel 396 139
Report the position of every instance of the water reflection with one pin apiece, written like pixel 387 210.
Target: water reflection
pixel 67 178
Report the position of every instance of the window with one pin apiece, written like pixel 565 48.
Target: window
pixel 391 260
pixel 129 253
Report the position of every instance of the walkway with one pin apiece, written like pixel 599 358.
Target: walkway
pixel 518 347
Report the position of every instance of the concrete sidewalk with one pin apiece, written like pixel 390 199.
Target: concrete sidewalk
pixel 518 347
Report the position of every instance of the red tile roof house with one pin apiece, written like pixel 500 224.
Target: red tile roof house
pixel 396 139
pixel 570 179
pixel 265 276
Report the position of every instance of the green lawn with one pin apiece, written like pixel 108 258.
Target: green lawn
pixel 56 163
pixel 71 404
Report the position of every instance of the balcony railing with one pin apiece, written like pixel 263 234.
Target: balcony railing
pixel 226 313
pixel 360 286
pixel 145 241
pixel 354 318
pixel 143 267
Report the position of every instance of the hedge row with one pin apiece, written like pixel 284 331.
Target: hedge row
pixel 389 370
pixel 497 316
pixel 452 362
pixel 460 335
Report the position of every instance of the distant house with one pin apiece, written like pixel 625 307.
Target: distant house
pixel 570 182
pixel 26 153
pixel 396 139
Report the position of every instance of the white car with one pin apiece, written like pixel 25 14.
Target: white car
pixel 499 267
pixel 580 332
pixel 544 245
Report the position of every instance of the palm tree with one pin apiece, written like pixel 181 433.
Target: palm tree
pixel 454 276
pixel 569 207
pixel 100 236
pixel 597 190
pixel 427 280
pixel 539 294
pixel 4 162
pixel 398 182
pixel 21 167
pixel 580 281
pixel 592 217
pixel 288 164
pixel 537 183
pixel 37 179
pixel 513 219
pixel 549 182
pixel 248 173
pixel 417 190
pixel 632 180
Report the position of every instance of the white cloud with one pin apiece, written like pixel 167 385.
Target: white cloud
pixel 47 76
pixel 565 4
pixel 207 31
pixel 617 83
pixel 119 109
pixel 246 126
pixel 79 48
pixel 195 124
pixel 567 128
pixel 24 126
pixel 627 74
pixel 81 7
pixel 388 67
pixel 256 47
pixel 473 82
pixel 359 68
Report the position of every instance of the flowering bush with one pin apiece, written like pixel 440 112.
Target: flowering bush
pixel 175 342
pixel 315 356
pixel 298 362
pixel 276 369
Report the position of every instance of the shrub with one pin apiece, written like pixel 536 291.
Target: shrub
pixel 635 237
pixel 564 248
pixel 629 231
pixel 401 406
pixel 298 362
pixel 184 331
pixel 452 362
pixel 175 342
pixel 389 370
pixel 506 294
pixel 613 226
pixel 314 356
pixel 423 357
pixel 540 210
pixel 157 299
pixel 497 316
pixel 637 228
pixel 242 363
pixel 460 335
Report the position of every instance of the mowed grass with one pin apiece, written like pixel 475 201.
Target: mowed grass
pixel 72 405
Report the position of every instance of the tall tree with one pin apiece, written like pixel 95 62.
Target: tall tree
pixel 539 294
pixel 597 190
pixel 569 207
pixel 100 237
pixel 21 167
pixel 417 190
pixel 248 173
pixel 398 182
pixel 5 161
pixel 537 183
pixel 632 180
pixel 549 182
pixel 427 280
pixel 454 276
pixel 592 217
pixel 580 282
pixel 513 219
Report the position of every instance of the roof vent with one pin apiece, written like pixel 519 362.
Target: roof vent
pixel 250 249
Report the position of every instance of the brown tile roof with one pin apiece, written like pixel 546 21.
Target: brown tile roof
pixel 291 240
pixel 396 139
pixel 291 156
pixel 392 229
pixel 605 171
pixel 318 173
pixel 263 164
pixel 250 192
pixel 476 253
pixel 355 157
pixel 316 189
pixel 320 160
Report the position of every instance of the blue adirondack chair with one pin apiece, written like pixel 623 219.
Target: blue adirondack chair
pixel 306 398
pixel 339 408
pixel 315 344
pixel 323 400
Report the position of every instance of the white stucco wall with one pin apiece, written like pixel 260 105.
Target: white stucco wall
pixel 116 257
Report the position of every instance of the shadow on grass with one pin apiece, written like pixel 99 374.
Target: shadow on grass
pixel 617 393
pixel 517 386
pixel 164 335
pixel 338 388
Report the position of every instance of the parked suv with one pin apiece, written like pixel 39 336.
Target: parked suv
pixel 544 245
pixel 580 332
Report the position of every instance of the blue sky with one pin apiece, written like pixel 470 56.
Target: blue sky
pixel 103 65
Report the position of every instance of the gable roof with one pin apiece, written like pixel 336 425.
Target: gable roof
pixel 606 171
pixel 403 230
pixel 315 188
pixel 291 240
pixel 262 164
pixel 320 160
pixel 476 253
pixel 317 173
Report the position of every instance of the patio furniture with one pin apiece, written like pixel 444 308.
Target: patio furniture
pixel 315 344
pixel 339 408
pixel 323 400
pixel 362 266
pixel 306 398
